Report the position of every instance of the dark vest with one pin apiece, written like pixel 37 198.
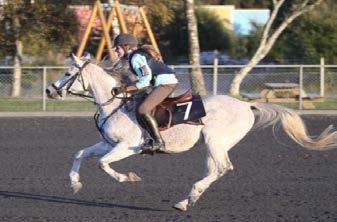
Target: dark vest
pixel 157 67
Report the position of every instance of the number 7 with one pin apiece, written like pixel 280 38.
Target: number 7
pixel 188 108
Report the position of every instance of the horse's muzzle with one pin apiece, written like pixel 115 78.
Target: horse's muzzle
pixel 51 92
pixel 48 93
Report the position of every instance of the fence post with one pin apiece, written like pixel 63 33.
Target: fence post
pixel 44 86
pixel 215 73
pixel 322 77
pixel 301 87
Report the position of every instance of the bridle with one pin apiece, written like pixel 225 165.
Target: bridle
pixel 71 81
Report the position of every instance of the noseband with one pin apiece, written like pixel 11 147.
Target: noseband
pixel 71 81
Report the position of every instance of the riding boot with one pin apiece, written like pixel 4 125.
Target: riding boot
pixel 152 127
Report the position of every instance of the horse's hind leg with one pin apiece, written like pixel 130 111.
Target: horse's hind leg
pixel 216 169
pixel 218 163
pixel 95 150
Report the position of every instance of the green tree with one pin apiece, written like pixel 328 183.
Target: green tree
pixel 245 47
pixel 35 29
pixel 169 25
pixel 276 24
pixel 212 33
pixel 197 81
pixel 43 27
pixel 239 3
pixel 314 36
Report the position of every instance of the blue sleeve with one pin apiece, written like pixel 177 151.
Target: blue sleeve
pixel 138 61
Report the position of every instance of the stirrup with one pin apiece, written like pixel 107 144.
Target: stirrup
pixel 151 145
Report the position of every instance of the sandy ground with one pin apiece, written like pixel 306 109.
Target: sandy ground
pixel 271 181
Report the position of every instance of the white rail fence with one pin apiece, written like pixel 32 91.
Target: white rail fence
pixel 319 80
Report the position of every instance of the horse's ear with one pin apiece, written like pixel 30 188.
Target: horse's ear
pixel 75 59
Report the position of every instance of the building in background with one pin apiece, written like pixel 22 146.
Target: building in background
pixel 82 14
pixel 241 21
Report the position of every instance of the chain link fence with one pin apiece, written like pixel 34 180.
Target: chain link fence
pixel 317 85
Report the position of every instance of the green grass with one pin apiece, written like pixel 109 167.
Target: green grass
pixel 29 105
pixel 327 104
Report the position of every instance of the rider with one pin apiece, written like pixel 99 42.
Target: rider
pixel 147 65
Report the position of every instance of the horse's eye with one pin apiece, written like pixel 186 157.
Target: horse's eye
pixel 67 74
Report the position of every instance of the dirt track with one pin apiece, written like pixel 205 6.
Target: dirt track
pixel 271 182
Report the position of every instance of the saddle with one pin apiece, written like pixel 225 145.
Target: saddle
pixel 187 108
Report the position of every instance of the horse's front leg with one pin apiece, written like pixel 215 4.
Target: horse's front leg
pixel 119 152
pixel 98 149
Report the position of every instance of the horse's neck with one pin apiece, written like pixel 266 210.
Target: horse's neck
pixel 101 85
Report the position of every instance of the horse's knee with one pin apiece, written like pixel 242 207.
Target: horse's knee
pixel 102 164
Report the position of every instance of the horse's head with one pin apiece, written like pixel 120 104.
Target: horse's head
pixel 71 82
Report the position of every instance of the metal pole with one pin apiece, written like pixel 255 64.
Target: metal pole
pixel 103 40
pixel 148 29
pixel 301 88
pixel 215 73
pixel 44 86
pixel 105 30
pixel 87 31
pixel 322 77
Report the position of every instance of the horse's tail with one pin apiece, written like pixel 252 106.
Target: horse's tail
pixel 293 125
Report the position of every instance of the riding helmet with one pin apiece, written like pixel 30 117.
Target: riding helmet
pixel 125 39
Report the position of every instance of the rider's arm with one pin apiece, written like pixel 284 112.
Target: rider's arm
pixel 143 71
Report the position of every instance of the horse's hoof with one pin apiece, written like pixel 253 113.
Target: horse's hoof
pixel 133 177
pixel 77 186
pixel 182 206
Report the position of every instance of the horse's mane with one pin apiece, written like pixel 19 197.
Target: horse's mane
pixel 118 68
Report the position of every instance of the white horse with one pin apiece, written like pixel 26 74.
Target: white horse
pixel 227 121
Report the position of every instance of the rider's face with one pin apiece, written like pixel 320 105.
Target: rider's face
pixel 120 51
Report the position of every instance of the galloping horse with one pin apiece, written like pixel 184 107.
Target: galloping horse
pixel 227 121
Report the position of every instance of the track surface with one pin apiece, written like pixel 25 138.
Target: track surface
pixel 270 182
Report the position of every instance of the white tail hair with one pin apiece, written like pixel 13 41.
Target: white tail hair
pixel 293 125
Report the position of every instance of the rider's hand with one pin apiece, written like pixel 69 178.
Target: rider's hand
pixel 118 90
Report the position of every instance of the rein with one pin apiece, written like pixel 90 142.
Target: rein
pixel 97 114
pixel 79 74
pixel 100 127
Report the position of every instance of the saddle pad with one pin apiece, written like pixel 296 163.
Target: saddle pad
pixel 188 112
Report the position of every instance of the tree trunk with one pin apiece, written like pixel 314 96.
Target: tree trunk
pixel 16 89
pixel 269 38
pixel 258 56
pixel 197 81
